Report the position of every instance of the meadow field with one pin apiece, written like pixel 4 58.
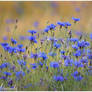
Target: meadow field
pixel 46 46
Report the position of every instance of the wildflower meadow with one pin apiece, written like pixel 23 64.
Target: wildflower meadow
pixel 57 58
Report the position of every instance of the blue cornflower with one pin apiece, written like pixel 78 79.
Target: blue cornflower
pixel 76 19
pixel 10 82
pixel 4 65
pixel 84 60
pixel 4 44
pixel 34 65
pixel 46 30
pixel 82 44
pixel 3 77
pixel 76 73
pixel 91 36
pixel 7 48
pixel 74 39
pixel 68 62
pixel 58 78
pixel 77 53
pixel 47 68
pixel 32 31
pixel 43 55
pixel 32 39
pixel 7 73
pixel 75 47
pixel 87 43
pixel 62 52
pixel 54 64
pixel 63 57
pixel 78 64
pixel 89 56
pixel 35 56
pixel 19 73
pixel 52 54
pixel 77 76
pixel 21 50
pixel 56 45
pixel 61 23
pixel 51 26
pixel 13 41
pixel 40 63
pixel 20 45
pixel 67 24
pixel 21 62
pixel 12 49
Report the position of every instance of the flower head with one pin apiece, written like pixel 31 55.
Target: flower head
pixel 33 66
pixel 7 73
pixel 43 55
pixel 78 64
pixel 46 30
pixel 13 41
pixel 68 62
pixel 76 75
pixel 19 74
pixel 54 64
pixel 75 47
pixel 32 31
pixel 51 26
pixel 32 39
pixel 75 19
pixel 35 56
pixel 61 23
pixel 56 45
pixel 21 62
pixel 91 36
pixel 58 78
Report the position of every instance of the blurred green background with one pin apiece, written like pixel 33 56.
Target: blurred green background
pixel 18 17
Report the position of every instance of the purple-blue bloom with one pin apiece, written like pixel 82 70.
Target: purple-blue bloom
pixel 32 39
pixel 76 75
pixel 13 41
pixel 51 26
pixel 91 36
pixel 7 73
pixel 43 55
pixel 21 62
pixel 78 64
pixel 54 64
pixel 75 47
pixel 56 45
pixel 75 19
pixel 34 66
pixel 32 31
pixel 34 55
pixel 61 23
pixel 58 78
pixel 19 73
pixel 68 62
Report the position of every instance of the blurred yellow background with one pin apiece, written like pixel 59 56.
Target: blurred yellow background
pixel 24 15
